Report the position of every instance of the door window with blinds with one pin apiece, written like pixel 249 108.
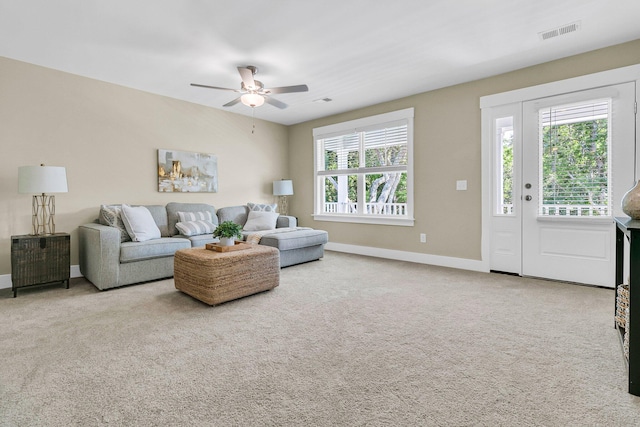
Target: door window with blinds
pixel 575 160
pixel 363 170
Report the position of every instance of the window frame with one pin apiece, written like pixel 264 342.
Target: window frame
pixel 355 126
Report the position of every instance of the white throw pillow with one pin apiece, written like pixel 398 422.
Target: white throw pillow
pixel 139 223
pixel 260 220
pixel 195 228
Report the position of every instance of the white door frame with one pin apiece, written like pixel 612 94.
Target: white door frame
pixel 605 78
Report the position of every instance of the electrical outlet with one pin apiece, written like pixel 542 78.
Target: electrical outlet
pixel 423 238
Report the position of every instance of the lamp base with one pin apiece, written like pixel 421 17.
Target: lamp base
pixel 43 211
pixel 283 205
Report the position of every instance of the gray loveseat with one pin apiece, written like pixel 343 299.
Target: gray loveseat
pixel 107 260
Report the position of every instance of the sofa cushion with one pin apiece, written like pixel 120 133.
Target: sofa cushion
pixel 173 208
pixel 201 240
pixel 195 228
pixel 286 221
pixel 159 214
pixel 261 220
pixel 157 248
pixel 110 215
pixel 237 214
pixel 139 223
pixel 295 239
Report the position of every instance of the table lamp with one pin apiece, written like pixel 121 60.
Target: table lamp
pixel 282 189
pixel 40 180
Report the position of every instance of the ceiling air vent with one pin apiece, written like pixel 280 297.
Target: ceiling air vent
pixel 560 31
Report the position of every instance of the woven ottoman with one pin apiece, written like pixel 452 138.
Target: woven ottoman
pixel 216 277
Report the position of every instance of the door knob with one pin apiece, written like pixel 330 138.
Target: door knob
pixel 527 198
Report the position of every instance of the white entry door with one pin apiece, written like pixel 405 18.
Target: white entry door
pixel 578 155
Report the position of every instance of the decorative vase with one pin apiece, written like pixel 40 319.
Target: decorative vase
pixel 227 241
pixel 631 202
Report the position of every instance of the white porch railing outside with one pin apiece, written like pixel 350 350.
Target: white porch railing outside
pixel 392 209
pixel 564 210
pixel 506 209
pixel 574 210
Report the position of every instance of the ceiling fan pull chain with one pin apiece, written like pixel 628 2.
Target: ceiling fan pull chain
pixel 253 119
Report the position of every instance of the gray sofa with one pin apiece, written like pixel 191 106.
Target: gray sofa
pixel 108 262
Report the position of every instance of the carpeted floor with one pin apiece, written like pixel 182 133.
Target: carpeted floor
pixel 346 341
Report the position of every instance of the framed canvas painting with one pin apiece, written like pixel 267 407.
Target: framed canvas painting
pixel 187 172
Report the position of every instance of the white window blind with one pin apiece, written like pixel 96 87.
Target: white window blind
pixel 575 159
pixel 363 168
pixel 386 146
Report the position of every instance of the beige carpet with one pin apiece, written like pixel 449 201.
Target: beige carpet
pixel 348 340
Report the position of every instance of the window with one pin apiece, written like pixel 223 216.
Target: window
pixel 504 163
pixel 575 160
pixel 363 170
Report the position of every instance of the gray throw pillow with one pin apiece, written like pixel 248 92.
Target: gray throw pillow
pixel 110 215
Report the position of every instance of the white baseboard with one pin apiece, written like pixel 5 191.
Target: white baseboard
pixel 5 279
pixel 442 261
pixel 75 271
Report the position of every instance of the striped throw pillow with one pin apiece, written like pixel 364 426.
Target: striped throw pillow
pixel 195 228
pixel 195 216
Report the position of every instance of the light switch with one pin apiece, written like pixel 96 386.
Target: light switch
pixel 461 184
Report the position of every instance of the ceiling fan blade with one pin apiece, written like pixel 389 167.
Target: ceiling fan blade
pixel 275 102
pixel 247 77
pixel 232 103
pixel 214 87
pixel 287 89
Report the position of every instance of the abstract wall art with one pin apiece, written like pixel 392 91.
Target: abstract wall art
pixel 187 172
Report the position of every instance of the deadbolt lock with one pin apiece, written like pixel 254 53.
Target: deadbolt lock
pixel 527 185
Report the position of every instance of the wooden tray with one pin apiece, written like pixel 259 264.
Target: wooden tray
pixel 237 247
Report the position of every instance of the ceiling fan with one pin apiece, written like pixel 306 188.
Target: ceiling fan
pixel 254 94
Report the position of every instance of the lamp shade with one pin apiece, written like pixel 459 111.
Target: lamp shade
pixel 283 187
pixel 42 179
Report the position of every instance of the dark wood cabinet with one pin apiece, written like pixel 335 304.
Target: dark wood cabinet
pixel 40 260
pixel 630 229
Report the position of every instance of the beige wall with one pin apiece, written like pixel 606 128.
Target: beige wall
pixel 447 148
pixel 107 136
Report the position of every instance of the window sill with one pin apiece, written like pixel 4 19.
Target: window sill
pixel 368 219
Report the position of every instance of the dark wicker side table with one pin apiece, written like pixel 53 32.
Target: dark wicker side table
pixel 40 260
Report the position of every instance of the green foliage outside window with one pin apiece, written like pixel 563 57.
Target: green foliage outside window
pixel 575 163
pixel 389 187
pixel 507 169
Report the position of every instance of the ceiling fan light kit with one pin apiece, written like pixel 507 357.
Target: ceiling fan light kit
pixel 253 91
pixel 252 100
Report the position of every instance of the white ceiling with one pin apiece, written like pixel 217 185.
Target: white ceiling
pixel 356 52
